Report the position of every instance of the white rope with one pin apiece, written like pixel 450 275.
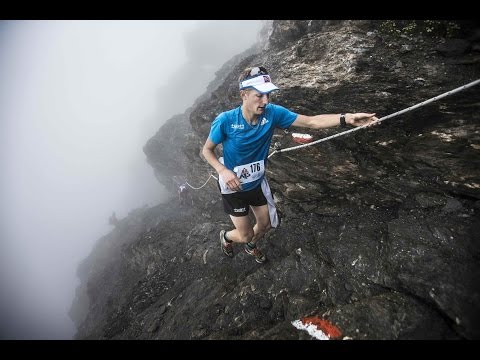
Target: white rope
pixel 198 188
pixel 473 83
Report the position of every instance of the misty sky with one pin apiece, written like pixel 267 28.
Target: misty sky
pixel 78 101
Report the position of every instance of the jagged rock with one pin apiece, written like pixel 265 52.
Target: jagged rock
pixel 379 230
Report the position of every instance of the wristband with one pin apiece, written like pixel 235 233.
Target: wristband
pixel 343 123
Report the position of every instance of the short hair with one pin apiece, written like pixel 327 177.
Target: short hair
pixel 247 73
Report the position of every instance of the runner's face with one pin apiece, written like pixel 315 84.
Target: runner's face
pixel 256 101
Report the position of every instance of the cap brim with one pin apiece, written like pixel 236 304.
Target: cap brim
pixel 265 88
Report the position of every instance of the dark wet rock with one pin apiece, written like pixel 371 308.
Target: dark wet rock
pixel 453 47
pixel 379 231
pixel 452 205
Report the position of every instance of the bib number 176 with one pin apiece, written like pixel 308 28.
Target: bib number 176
pixel 254 167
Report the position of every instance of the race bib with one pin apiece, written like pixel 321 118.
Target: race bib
pixel 246 173
pixel 250 172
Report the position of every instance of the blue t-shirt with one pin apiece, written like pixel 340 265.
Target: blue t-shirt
pixel 245 144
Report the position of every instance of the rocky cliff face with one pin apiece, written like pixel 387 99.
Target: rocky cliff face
pixel 379 234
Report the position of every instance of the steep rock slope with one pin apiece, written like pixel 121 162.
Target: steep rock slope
pixel 379 232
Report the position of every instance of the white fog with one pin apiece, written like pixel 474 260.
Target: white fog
pixel 78 101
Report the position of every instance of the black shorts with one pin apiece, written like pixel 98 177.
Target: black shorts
pixel 238 203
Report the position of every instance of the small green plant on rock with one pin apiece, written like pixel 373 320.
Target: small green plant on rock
pixel 429 28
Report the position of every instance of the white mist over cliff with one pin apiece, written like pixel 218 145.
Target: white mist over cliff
pixel 78 100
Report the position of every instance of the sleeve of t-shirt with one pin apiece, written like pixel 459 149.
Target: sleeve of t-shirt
pixel 283 117
pixel 217 133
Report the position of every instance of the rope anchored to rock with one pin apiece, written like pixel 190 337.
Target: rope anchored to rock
pixel 184 182
pixel 438 97
pixel 198 188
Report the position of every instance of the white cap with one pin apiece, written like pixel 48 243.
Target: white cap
pixel 261 83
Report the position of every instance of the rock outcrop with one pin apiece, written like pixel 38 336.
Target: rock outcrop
pixel 379 232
